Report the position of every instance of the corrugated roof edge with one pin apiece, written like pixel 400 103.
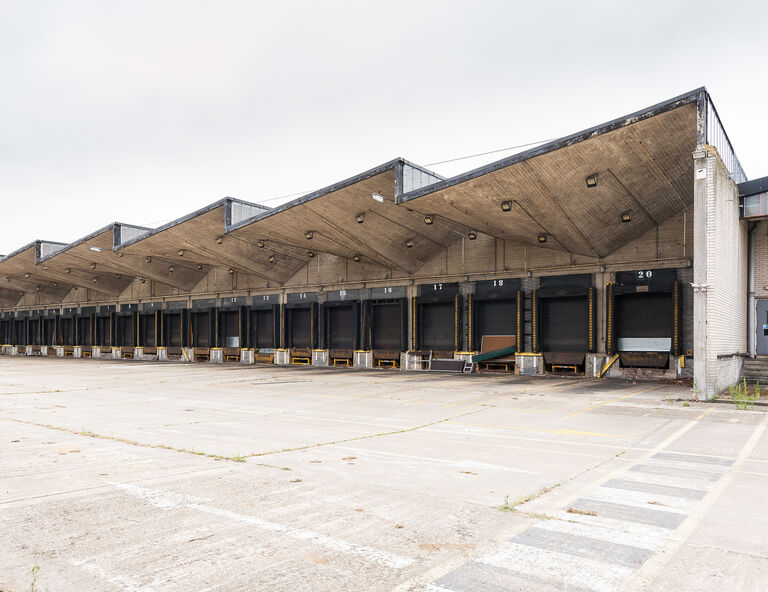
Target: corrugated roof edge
pixel 187 217
pixel 90 236
pixel 392 164
pixel 34 243
pixel 619 122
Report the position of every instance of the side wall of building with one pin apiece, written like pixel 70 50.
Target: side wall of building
pixel 720 277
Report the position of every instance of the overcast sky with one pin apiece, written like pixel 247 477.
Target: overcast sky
pixel 141 112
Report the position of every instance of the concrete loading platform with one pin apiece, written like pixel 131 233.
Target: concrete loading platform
pixel 180 478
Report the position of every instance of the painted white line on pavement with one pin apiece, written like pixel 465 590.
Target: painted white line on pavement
pixel 166 501
pixel 657 563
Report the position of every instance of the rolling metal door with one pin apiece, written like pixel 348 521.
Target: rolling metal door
pixel 263 327
pixel 299 327
pixel 5 332
pixel 563 325
pixel 644 315
pixel 125 330
pixel 387 326
pixel 84 330
pixel 201 329
pixel 493 317
pixel 342 327
pixel 147 330
pixel 102 335
pixel 49 331
pixel 229 325
pixel 19 333
pixel 172 329
pixel 34 332
pixel 437 326
pixel 66 331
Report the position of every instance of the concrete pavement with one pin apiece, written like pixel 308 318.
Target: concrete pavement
pixel 147 477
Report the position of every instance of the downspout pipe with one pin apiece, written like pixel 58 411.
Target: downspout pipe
pixel 751 315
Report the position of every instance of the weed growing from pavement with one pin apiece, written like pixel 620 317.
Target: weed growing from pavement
pixel 33 573
pixel 510 505
pixel 742 396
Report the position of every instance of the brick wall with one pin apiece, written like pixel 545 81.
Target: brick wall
pixel 720 320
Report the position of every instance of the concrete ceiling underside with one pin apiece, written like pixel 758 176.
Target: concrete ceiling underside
pixel 19 272
pixel 382 237
pixel 94 257
pixel 644 169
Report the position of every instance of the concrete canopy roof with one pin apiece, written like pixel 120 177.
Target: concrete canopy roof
pixel 19 272
pixel 95 255
pixel 330 216
pixel 643 164
pixel 191 242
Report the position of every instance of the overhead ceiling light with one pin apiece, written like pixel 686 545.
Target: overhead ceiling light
pixel 591 180
pixel 181 252
pixel 231 270
pixel 506 206
pixel 119 254
pixel 626 216
pixel 148 259
pixel 260 244
pixel 356 258
pixel 379 198
pixel 45 268
pixel 409 243
pixel 199 266
pixel 309 234
pixel 119 276
pixel 171 269
pixel 143 281
pixel 542 238
pixel 95 279
pixel 37 288
pixel 219 240
pixel 429 219
pixel 471 235
pixel 69 270
pixel 26 275
pixel 271 258
pixel 93 266
pixel 310 253
pixel 96 249
pixel 360 218
pixel 56 284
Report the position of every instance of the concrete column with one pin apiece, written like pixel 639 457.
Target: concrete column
pixel 411 292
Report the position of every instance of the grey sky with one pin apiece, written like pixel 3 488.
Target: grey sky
pixel 144 111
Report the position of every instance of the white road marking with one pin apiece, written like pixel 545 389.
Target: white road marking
pixel 567 569
pixel 640 499
pixel 611 535
pixel 167 501
pixel 123 582
pixel 469 464
pixel 656 563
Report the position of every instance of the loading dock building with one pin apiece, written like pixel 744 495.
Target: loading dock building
pixel 619 250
